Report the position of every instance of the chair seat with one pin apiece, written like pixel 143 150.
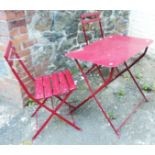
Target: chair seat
pixel 52 85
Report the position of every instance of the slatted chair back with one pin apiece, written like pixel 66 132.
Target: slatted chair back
pixel 89 18
pixel 11 57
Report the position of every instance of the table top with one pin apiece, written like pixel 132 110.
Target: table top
pixel 111 51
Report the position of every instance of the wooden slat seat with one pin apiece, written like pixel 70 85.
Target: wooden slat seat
pixel 52 85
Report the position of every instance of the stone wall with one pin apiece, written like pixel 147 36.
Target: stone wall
pixel 58 32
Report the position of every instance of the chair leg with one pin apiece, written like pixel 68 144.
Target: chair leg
pixel 42 127
pixel 65 102
pixel 133 78
pixel 38 108
pixel 54 113
pixel 37 120
pixel 73 120
pixel 129 115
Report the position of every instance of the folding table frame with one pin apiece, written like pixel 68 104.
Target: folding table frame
pixel 103 53
pixel 55 85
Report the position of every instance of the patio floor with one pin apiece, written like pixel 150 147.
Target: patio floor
pixel 17 127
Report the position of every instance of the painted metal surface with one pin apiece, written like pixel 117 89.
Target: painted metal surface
pixel 111 51
pixel 56 84
pixel 88 19
pixel 46 86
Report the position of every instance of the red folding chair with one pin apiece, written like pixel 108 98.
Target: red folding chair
pixel 56 85
pixel 87 19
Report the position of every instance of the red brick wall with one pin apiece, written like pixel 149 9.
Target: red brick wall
pixel 13 26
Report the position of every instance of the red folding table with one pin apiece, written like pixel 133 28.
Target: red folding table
pixel 110 52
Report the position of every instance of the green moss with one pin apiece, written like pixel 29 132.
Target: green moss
pixel 147 87
pixel 27 142
pixel 111 115
pixel 126 76
pixel 74 70
pixel 84 66
pixel 139 75
pixel 30 102
pixel 121 93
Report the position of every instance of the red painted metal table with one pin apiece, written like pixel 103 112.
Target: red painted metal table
pixel 110 52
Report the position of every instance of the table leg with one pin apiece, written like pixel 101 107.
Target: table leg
pixel 133 78
pixel 97 101
pixel 129 116
pixel 100 73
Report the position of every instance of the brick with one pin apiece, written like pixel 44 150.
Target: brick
pixel 24 53
pixel 23 29
pixel 18 47
pixel 30 12
pixel 22 72
pixel 28 20
pixel 29 84
pixel 2 48
pixel 18 23
pixel 20 39
pixel 27 61
pixel 14 15
pixel 26 79
pixel 13 25
pixel 10 15
pixel 20 14
pixel 15 32
pixel 24 37
pixel 29 43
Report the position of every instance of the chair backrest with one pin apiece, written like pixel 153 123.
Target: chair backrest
pixel 89 18
pixel 11 57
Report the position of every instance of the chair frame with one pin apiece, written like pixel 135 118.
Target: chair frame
pixel 11 55
pixel 89 18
